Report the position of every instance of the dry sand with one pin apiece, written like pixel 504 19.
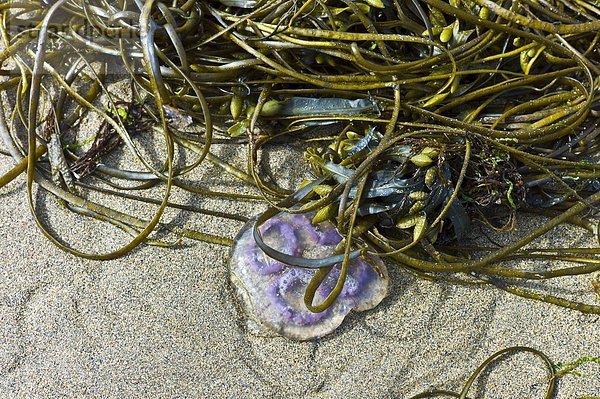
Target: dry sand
pixel 162 323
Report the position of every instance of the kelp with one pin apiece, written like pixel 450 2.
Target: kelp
pixel 421 118
pixel 555 372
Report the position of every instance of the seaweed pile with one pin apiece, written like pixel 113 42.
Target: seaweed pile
pixel 420 117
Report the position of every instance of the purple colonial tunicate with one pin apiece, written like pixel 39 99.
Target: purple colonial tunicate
pixel 272 293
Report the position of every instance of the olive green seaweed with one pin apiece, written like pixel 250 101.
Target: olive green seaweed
pixel 418 118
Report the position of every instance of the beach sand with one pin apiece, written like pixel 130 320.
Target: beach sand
pixel 163 323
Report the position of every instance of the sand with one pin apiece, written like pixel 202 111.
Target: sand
pixel 162 322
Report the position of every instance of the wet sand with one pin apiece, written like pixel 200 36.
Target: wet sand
pixel 162 322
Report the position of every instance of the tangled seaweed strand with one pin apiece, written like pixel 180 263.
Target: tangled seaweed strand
pixel 550 389
pixel 555 371
pixel 427 115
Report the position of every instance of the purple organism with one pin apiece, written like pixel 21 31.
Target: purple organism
pixel 272 293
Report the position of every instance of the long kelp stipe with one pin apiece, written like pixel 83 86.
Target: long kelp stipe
pixel 555 372
pixel 420 118
pixel 463 394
